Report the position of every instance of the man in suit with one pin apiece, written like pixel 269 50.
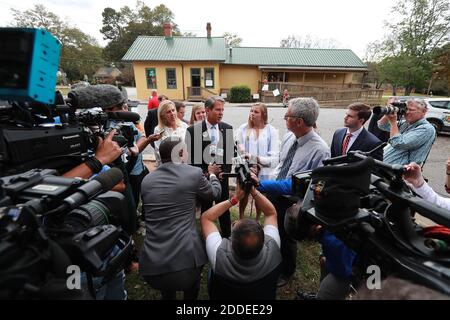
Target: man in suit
pixel 212 142
pixel 354 136
pixel 173 252
pixel 337 260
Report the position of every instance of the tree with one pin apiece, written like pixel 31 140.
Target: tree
pixel 80 53
pixel 308 41
pixel 124 26
pixel 232 39
pixel 440 80
pixel 422 27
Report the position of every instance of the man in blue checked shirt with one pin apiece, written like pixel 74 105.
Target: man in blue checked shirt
pixel 412 139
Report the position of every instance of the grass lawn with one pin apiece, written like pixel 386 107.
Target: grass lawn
pixel 306 276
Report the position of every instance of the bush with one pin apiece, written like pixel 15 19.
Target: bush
pixel 240 94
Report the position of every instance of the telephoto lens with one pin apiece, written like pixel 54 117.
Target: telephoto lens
pixel 384 110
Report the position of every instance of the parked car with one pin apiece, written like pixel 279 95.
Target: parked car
pixel 439 113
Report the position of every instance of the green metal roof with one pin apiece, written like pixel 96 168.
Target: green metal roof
pixel 176 49
pixel 146 48
pixel 295 57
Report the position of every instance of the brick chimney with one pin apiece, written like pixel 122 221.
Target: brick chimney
pixel 208 29
pixel 167 30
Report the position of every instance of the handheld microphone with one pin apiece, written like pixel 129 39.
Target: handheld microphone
pixel 103 182
pixel 97 96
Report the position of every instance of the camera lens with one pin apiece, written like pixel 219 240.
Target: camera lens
pixel 93 213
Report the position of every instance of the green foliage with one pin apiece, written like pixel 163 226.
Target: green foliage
pixel 232 40
pixel 240 94
pixel 80 53
pixel 124 26
pixel 414 35
pixel 308 41
pixel 405 71
pixel 440 80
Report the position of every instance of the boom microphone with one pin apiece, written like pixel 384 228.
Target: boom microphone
pixel 97 96
pixel 127 116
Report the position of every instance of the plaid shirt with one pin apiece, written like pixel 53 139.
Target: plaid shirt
pixel 413 143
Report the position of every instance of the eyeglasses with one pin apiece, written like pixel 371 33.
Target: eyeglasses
pixel 286 116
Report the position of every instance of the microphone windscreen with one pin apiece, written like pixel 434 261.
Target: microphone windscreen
pixel 97 96
pixel 109 178
pixel 124 116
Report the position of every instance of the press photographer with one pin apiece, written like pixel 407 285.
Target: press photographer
pixel 411 138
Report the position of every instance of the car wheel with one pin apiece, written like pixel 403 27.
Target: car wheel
pixel 437 126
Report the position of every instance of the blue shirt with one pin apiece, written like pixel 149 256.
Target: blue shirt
pixel 413 143
pixel 311 151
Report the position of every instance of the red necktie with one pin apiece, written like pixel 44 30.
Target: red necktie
pixel 345 143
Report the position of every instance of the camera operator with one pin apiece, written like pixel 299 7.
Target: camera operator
pixel 373 124
pixel 135 166
pixel 107 151
pixel 412 139
pixel 248 265
pixel 413 176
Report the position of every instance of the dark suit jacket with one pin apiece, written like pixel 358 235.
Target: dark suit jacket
pixel 366 141
pixel 151 121
pixel 172 242
pixel 198 143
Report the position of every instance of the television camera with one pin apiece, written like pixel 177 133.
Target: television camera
pixel 48 222
pixel 372 213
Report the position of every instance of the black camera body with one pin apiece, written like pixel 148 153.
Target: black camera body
pixel 48 223
pixel 381 230
pixel 398 108
pixel 242 173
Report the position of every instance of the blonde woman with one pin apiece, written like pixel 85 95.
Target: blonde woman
pixel 259 142
pixel 168 125
pixel 198 113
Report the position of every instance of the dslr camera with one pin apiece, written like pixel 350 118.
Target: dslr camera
pixel 398 108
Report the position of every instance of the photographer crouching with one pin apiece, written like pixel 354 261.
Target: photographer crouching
pixel 412 138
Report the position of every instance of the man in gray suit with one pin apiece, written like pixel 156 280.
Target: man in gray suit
pixel 173 253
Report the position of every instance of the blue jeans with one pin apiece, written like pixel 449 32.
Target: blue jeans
pixel 114 289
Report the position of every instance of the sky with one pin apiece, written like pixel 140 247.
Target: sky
pixel 352 24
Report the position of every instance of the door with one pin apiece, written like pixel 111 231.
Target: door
pixel 195 82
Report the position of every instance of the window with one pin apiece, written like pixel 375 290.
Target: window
pixel 209 77
pixel 440 104
pixel 150 75
pixel 171 77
